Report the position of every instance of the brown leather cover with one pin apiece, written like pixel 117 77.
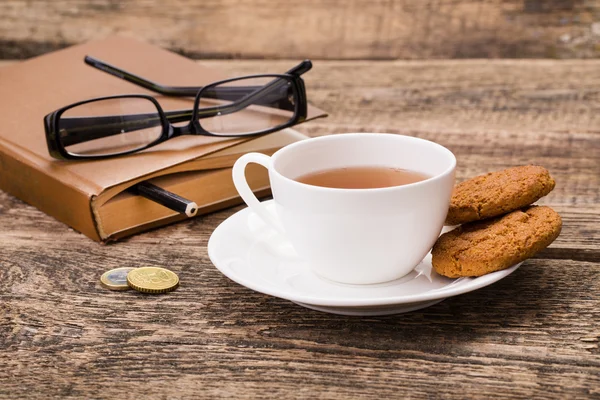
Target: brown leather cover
pixel 33 88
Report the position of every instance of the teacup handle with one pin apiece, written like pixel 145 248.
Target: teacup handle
pixel 241 185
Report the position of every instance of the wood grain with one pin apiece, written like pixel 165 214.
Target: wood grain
pixel 332 29
pixel 534 334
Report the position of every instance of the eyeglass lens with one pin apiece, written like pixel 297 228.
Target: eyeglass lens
pixel 247 106
pixel 109 126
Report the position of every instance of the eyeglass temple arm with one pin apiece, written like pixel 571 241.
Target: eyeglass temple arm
pixel 298 70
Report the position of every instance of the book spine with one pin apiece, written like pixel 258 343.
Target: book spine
pixel 63 202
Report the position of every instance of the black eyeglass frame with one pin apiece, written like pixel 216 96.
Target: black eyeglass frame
pixel 57 148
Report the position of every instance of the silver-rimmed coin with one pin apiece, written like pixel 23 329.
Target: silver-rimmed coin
pixel 116 279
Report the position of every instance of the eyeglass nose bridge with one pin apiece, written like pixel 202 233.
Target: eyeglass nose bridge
pixel 187 129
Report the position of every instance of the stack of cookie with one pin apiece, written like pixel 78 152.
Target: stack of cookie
pixel 498 225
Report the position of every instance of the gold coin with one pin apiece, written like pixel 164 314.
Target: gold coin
pixel 116 279
pixel 152 280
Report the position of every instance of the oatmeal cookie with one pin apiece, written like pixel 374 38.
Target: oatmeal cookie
pixel 498 193
pixel 478 248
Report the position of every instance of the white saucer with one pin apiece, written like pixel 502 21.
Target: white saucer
pixel 254 255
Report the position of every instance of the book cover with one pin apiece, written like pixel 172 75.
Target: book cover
pixel 74 192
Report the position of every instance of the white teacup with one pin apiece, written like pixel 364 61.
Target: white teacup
pixel 356 236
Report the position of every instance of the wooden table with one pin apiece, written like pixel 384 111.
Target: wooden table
pixel 535 334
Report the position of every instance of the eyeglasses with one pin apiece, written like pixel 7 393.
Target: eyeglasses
pixel 117 125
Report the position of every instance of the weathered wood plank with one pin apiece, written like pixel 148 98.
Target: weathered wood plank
pixel 333 29
pixel 518 337
pixel 534 334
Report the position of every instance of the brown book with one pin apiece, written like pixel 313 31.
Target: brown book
pixel 91 196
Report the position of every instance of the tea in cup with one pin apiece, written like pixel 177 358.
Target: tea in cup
pixel 360 208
